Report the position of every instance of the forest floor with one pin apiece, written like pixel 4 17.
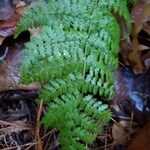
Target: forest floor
pixel 129 128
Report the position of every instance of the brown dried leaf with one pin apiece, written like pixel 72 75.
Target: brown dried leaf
pixel 131 52
pixel 141 140
pixel 34 31
pixel 6 9
pixel 1 39
pixel 19 10
pixel 138 23
pixel 7 28
pixel 8 25
pixel 121 132
pixel 138 10
pixel 20 7
pixel 21 4
pixel 9 70
pixel 134 57
pixel 140 13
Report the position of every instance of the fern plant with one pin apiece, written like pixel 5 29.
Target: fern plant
pixel 74 58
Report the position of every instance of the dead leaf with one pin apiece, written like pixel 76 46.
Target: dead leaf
pixel 138 10
pixel 1 39
pixel 140 15
pixel 6 9
pixel 138 23
pixel 146 25
pixel 121 132
pixel 20 7
pixel 131 52
pixel 139 61
pixel 9 68
pixel 34 31
pixel 21 4
pixel 7 28
pixel 8 25
pixel 132 95
pixel 141 140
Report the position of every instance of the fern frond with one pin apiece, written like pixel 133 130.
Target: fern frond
pixel 57 53
pixel 80 119
pixel 74 57
pixel 132 2
pixel 29 18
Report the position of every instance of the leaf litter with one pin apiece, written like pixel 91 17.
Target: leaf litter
pixel 130 107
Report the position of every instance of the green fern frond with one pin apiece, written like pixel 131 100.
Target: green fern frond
pixel 29 18
pixel 74 57
pixel 79 118
pixel 57 53
pixel 132 2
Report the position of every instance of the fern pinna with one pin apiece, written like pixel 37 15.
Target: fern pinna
pixel 74 58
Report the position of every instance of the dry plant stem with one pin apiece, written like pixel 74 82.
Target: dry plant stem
pixel 38 146
pixel 117 123
pixel 106 140
pixel 25 145
pixel 16 124
pixel 15 147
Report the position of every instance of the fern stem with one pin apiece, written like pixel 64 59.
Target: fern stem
pixel 85 50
